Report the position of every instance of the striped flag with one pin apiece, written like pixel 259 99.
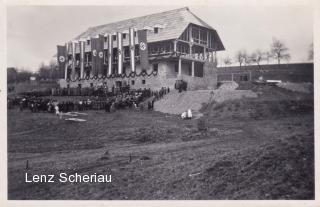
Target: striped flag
pixel 62 58
pixel 81 58
pixel 110 53
pixel 100 51
pixel 132 49
pixel 120 52
pixel 143 49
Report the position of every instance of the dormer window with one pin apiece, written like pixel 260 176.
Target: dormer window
pixel 156 30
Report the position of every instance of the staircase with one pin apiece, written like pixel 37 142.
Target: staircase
pixel 177 103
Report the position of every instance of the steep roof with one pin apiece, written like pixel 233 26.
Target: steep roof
pixel 174 22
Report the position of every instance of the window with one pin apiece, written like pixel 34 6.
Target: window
pixel 79 85
pixel 91 85
pixel 155 67
pixel 132 82
pixel 114 37
pixel 88 42
pixel 68 86
pixel 143 82
pixel 156 30
pixel 105 39
pixel 135 33
pixel 176 68
pixel 124 36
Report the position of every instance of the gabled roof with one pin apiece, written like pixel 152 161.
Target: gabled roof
pixel 172 22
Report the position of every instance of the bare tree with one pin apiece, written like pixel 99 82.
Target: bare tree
pixel 310 55
pixel 268 56
pixel 227 61
pixel 279 51
pixel 240 57
pixel 257 57
pixel 246 58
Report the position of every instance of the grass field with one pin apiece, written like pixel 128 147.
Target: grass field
pixel 265 153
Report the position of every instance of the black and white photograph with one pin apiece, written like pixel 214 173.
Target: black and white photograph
pixel 189 102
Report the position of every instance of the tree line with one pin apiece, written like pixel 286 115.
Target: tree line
pixel 278 51
pixel 45 72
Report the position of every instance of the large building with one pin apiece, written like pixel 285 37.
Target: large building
pixel 151 51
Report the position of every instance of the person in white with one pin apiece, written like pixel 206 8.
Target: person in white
pixel 189 114
pixel 184 115
pixel 56 108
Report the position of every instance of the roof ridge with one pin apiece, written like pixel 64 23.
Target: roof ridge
pixel 198 18
pixel 117 22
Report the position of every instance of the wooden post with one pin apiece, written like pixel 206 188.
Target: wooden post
pixel 175 46
pixel 192 68
pixel 190 48
pixel 179 68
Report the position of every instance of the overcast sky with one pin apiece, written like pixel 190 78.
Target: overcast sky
pixel 34 31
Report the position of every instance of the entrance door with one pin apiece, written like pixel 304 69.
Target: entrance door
pixel 118 84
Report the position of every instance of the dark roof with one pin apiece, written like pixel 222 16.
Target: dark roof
pixel 173 22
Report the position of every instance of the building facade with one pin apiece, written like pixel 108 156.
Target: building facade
pixel 178 46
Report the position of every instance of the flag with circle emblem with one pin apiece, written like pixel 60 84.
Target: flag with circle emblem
pixel 62 58
pixel 132 49
pixel 143 49
pixel 120 52
pixel 97 55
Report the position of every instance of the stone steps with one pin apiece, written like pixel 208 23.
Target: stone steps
pixel 177 103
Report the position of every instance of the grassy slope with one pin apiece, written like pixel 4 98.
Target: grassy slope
pixel 242 156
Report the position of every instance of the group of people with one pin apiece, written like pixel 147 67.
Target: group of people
pixel 129 99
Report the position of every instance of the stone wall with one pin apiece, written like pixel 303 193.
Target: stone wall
pixel 296 72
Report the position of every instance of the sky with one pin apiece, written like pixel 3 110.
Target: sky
pixel 33 32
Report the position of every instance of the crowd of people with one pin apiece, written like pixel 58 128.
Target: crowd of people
pixel 142 98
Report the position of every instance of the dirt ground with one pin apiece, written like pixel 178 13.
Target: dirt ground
pixel 260 148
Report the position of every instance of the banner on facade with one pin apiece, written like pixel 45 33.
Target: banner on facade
pixel 100 54
pixel 132 49
pixel 110 53
pixel 143 49
pixel 120 52
pixel 62 58
pixel 97 55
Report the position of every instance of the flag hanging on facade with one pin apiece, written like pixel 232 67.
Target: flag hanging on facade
pixel 132 49
pixel 62 58
pixel 94 44
pixel 143 49
pixel 110 53
pixel 100 51
pixel 120 52
pixel 81 58
pixel 97 55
